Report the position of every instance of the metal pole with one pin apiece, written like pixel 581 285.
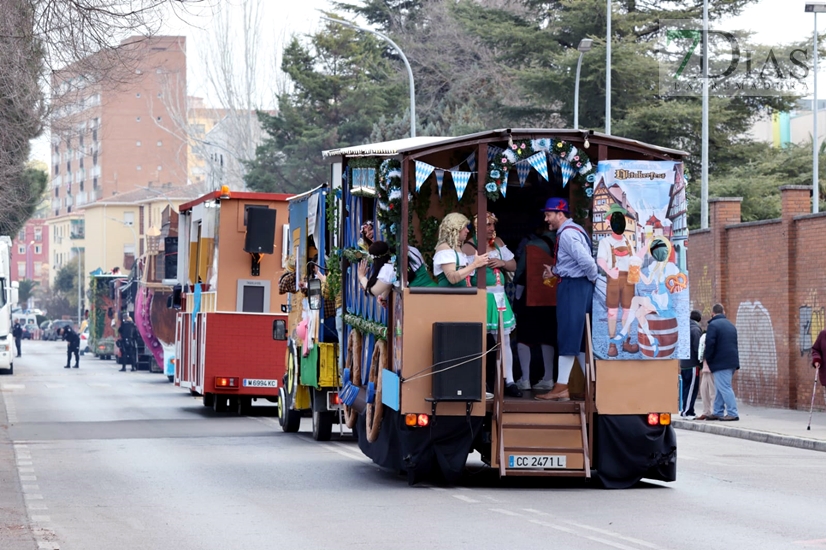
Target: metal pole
pixel 79 287
pixel 815 140
pixel 704 177
pixel 406 64
pixel 608 74
pixel 576 92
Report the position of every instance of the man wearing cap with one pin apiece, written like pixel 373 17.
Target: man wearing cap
pixel 614 257
pixel 577 271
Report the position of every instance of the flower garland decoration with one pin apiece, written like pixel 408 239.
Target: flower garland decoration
pixel 500 166
pixel 354 255
pixel 364 325
pixel 333 260
pixel 389 187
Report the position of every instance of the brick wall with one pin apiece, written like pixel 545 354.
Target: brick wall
pixel 770 277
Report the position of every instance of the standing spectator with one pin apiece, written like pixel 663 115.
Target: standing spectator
pixel 128 343
pixel 818 351
pixel 17 332
pixel 73 346
pixel 690 368
pixel 723 360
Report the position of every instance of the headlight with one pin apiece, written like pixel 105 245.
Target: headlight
pixel 4 347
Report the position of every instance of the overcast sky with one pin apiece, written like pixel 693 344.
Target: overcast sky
pixel 774 22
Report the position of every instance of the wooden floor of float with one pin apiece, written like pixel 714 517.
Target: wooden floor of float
pixel 527 403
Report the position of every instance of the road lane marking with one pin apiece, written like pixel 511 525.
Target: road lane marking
pixel 466 499
pixel 26 470
pixel 506 512
pixel 24 462
pixel 28 478
pixel 41 519
pixel 30 488
pixel 36 506
pixel 352 454
pixel 600 531
pixel 14 386
pixel 31 496
pixel 572 532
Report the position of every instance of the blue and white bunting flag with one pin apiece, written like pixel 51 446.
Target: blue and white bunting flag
pixel 471 161
pixel 523 168
pixel 440 177
pixel 539 163
pixel 494 151
pixel 460 180
pixel 423 171
pixel 567 170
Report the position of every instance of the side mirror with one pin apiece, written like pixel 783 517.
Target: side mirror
pixel 15 292
pixel 284 308
pixel 314 293
pixel 279 330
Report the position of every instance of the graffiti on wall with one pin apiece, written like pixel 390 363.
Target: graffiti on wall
pixel 702 295
pixel 811 321
pixel 756 346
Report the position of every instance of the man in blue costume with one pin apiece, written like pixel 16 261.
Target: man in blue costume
pixel 577 270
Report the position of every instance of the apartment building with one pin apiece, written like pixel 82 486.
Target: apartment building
pixel 114 133
pixel 201 119
pixel 30 253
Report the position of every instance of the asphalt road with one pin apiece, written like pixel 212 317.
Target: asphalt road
pixel 98 459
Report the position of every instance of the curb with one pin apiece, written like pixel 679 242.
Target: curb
pixel 752 435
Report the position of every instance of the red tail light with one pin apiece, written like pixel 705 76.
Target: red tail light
pixel 225 382
pixel 423 420
pixel 653 419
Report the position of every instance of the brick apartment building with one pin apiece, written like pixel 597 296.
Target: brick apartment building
pixel 30 253
pixel 770 277
pixel 112 134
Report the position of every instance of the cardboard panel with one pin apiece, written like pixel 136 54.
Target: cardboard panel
pixel 637 387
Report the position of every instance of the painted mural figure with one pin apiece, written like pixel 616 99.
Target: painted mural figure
pixel 621 264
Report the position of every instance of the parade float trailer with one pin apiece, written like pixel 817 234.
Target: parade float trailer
pixel 229 260
pixel 419 362
pixel 8 297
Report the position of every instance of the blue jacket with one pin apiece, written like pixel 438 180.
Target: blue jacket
pixel 721 345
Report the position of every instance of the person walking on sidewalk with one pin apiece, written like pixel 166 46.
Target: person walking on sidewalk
pixel 723 360
pixel 818 352
pixel 690 368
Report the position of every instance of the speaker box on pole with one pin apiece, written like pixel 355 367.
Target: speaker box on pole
pixel 457 356
pixel 260 237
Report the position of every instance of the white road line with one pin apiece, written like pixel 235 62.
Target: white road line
pixel 13 386
pixel 466 499
pixel 41 519
pixel 616 535
pixel 24 462
pixel 36 506
pixel 571 531
pixel 31 496
pixel 28 478
pixel 503 511
pixel 353 454
pixel 26 470
pixel 30 488
pixel 342 453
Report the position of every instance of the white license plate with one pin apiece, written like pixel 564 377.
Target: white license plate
pixel 537 462
pixel 258 383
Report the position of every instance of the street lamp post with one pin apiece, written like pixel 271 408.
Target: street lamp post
pixel 608 72
pixel 406 64
pixel 815 8
pixel 79 288
pixel 583 48
pixel 704 132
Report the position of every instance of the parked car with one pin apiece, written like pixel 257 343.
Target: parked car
pixel 84 342
pixel 27 332
pixel 51 331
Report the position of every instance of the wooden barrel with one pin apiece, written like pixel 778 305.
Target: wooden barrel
pixel 664 329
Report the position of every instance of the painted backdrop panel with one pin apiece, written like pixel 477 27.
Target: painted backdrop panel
pixel 641 303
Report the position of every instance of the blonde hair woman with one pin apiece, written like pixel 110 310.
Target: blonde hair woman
pixel 450 265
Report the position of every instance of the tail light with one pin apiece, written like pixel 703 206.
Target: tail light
pixel 413 420
pixel 333 400
pixel 659 419
pixel 225 382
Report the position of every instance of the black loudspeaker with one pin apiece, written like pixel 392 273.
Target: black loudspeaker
pixel 460 346
pixel 260 230
pixel 170 258
pixel 176 301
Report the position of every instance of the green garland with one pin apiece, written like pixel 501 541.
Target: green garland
pixel 500 166
pixel 353 255
pixel 364 325
pixel 333 260
pixel 389 187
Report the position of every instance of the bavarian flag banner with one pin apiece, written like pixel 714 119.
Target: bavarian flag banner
pixel 641 303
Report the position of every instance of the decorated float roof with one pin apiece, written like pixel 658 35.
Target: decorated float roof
pixel 422 143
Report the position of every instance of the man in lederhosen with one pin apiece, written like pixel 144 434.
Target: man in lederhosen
pixel 577 270
pixel 614 257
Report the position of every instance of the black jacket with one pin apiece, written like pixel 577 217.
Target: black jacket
pixel 721 344
pixel 72 337
pixel 17 332
pixel 694 360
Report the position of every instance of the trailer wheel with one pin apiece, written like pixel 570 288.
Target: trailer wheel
pixel 209 399
pixel 353 362
pixel 373 412
pixel 221 403
pixel 290 420
pixel 323 425
pixel 171 378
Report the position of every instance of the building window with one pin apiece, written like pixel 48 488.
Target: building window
pixel 81 162
pixel 21 249
pixel 57 191
pixel 129 218
pixel 137 119
pixel 160 143
pixel 21 235
pixel 95 158
pixel 38 267
pixel 159 119
pixel 38 249
pixel 138 94
pixel 68 165
pixel 56 169
pixel 81 140
pixel 95 134
pixel 38 234
pixel 128 256
pixel 160 94
pixel 94 183
pixel 21 270
pixel 139 167
pixel 160 168
pixel 138 144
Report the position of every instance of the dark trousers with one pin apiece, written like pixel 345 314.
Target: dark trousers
pixel 17 343
pixel 69 353
pixel 691 386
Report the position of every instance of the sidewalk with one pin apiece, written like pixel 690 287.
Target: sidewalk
pixel 775 426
